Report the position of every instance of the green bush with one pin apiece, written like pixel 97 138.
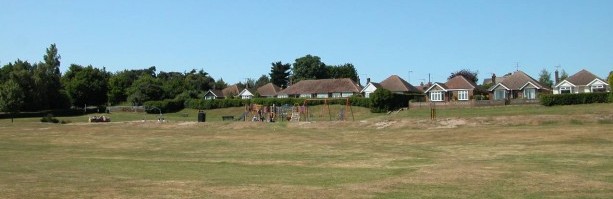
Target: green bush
pixel 165 106
pixel 49 118
pixel 381 101
pixel 569 99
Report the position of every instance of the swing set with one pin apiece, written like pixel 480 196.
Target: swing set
pixel 325 108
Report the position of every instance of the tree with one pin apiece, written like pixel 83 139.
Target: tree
pixel 279 74
pixel 220 84
pixel 47 78
pixel 86 85
pixel 343 71
pixel 466 73
pixel 545 78
pixel 198 81
pixel 173 83
pixel 381 100
pixel 11 98
pixel 145 88
pixel 263 80
pixel 563 75
pixel 309 67
pixel 611 79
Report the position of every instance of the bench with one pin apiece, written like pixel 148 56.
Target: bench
pixel 227 117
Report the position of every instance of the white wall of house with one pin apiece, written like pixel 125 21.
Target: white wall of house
pixel 346 94
pixel 308 95
pixel 369 89
pixel 323 95
pixel 282 96
pixel 564 87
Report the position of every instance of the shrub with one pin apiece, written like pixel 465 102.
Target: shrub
pixel 569 99
pixel 165 106
pixel 49 118
pixel 381 101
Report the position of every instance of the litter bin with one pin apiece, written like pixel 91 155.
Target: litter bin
pixel 201 116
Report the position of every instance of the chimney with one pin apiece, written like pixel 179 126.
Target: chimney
pixel 367 80
pixel 493 78
pixel 421 84
pixel 557 76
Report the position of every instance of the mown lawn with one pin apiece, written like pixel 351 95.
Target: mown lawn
pixel 553 152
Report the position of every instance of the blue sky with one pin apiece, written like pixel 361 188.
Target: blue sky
pixel 236 39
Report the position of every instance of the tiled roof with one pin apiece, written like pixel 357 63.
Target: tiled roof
pixel 396 84
pixel 269 90
pixel 322 86
pixel 459 82
pixel 582 77
pixel 217 93
pixel 518 79
pixel 230 91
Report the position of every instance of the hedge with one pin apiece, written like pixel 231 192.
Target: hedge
pixel 165 106
pixel 569 99
pixel 226 103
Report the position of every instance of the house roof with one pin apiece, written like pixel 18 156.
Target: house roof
pixel 269 90
pixel 396 84
pixel 322 86
pixel 216 93
pixel 376 85
pixel 441 85
pixel 230 91
pixel 460 82
pixel 518 80
pixel 498 79
pixel 582 77
pixel 251 91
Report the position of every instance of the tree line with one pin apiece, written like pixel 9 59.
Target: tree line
pixel 26 86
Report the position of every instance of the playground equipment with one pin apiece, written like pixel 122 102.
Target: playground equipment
pixel 325 109
pixel 432 111
pixel 99 119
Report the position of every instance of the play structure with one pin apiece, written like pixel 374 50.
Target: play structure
pixel 307 113
pixel 298 112
pixel 99 119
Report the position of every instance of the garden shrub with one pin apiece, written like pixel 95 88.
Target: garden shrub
pixel 569 99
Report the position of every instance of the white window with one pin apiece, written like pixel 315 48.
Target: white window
pixel 500 94
pixel 530 93
pixel 282 96
pixel 462 95
pixel 347 94
pixel 598 88
pixel 305 95
pixel 323 95
pixel 336 95
pixel 565 89
pixel 436 96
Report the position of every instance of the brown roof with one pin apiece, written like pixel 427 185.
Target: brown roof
pixel 322 86
pixel 518 79
pixel 397 84
pixel 217 93
pixel 582 77
pixel 230 91
pixel 269 90
pixel 459 82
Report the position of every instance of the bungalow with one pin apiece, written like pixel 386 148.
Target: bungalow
pixel 226 93
pixel 582 82
pixel 518 85
pixel 393 83
pixel 456 88
pixel 246 93
pixel 321 88
pixel 269 90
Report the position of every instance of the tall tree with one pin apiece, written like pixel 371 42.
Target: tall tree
pixel 145 88
pixel 611 79
pixel 86 85
pixel 173 83
pixel 11 98
pixel 343 71
pixel 220 84
pixel 309 67
pixel 563 75
pixel 263 80
pixel 199 81
pixel 545 78
pixel 47 78
pixel 279 74
pixel 466 73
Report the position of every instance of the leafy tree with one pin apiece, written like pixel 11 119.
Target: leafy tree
pixel 220 84
pixel 86 85
pixel 48 80
pixel 545 78
pixel 145 88
pixel 611 78
pixel 118 86
pixel 343 71
pixel 263 80
pixel 468 74
pixel 309 67
pixel 21 73
pixel 563 75
pixel 279 74
pixel 381 100
pixel 11 98
pixel 249 83
pixel 199 81
pixel 173 83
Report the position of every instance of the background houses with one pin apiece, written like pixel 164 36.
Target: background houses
pixel 582 82
pixel 393 83
pixel 322 88
pixel 456 88
pixel 519 85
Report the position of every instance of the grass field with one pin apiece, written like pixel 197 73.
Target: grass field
pixel 499 152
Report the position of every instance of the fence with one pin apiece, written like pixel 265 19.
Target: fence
pixel 138 109
pixel 471 103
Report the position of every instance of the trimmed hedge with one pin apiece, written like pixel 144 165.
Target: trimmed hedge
pixel 383 100
pixel 226 103
pixel 166 106
pixel 569 99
